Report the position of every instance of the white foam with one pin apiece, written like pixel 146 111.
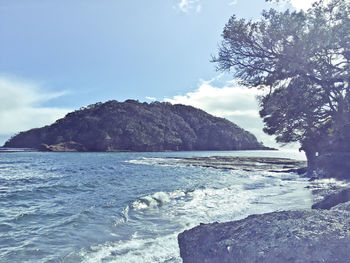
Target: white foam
pixel 159 161
pixel 151 201
pixel 124 217
pixel 151 161
pixel 152 250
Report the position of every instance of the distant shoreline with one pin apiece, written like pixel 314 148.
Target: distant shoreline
pixel 6 149
pixel 9 150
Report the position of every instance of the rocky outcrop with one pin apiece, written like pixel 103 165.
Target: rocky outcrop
pixel 63 147
pixel 287 236
pixel 134 126
pixel 333 199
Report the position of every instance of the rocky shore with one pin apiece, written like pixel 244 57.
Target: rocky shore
pixel 270 164
pixel 319 234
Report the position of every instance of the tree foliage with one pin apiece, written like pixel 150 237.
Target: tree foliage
pixel 302 61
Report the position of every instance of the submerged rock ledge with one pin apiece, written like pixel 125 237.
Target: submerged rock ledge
pixel 269 164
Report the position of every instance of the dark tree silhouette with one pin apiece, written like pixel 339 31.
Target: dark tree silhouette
pixel 301 59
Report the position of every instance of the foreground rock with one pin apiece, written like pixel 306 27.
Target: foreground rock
pixel 342 206
pixel 333 199
pixel 134 126
pixel 288 236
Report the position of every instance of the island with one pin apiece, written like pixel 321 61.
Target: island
pixel 133 126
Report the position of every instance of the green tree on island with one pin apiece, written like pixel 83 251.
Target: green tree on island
pixel 302 60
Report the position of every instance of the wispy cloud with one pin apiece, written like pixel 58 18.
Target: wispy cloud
pixel 233 2
pixel 237 104
pixel 21 106
pixel 189 5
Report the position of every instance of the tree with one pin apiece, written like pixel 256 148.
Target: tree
pixel 301 59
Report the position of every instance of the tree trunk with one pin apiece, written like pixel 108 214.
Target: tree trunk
pixel 311 160
pixel 310 146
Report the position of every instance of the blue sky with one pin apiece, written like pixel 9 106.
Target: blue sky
pixel 59 55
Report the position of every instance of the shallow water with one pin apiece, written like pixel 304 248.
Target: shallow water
pixel 124 207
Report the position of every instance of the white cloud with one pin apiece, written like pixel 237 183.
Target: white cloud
pixel 151 98
pixel 237 104
pixel 233 2
pixel 189 5
pixel 21 106
pixel 302 4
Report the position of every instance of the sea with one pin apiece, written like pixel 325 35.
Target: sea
pixel 126 207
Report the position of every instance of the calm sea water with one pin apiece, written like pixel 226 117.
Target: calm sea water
pixel 123 207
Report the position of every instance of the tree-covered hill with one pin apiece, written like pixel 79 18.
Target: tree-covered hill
pixel 134 126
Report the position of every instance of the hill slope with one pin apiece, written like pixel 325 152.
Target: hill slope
pixel 134 126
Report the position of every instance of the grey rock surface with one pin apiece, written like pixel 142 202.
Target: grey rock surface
pixel 333 199
pixel 286 236
pixel 342 206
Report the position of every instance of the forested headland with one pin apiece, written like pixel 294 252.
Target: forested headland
pixel 134 126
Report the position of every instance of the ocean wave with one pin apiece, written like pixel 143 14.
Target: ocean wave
pixel 177 210
pixel 152 250
pixel 157 199
pixel 124 217
pixel 187 207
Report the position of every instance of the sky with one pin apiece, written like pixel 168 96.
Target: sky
pixel 60 55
